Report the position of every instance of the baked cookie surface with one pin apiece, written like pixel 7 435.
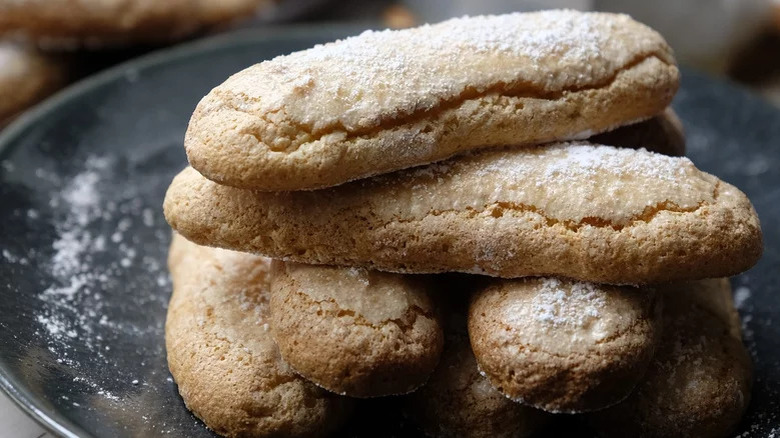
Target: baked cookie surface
pixel 698 384
pixel 98 23
pixel 384 101
pixel 222 356
pixel 588 212
pixel 457 401
pixel 353 331
pixel 563 346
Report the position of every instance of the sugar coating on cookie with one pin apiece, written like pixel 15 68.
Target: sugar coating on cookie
pixel 222 356
pixel 698 383
pixel 578 210
pixel 353 331
pixel 563 346
pixel 388 100
pixel 458 401
pixel 618 174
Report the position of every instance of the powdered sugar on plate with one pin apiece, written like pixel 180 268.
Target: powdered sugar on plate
pixel 754 324
pixel 105 239
pixel 73 300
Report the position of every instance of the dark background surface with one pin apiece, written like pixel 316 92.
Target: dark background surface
pixel 81 337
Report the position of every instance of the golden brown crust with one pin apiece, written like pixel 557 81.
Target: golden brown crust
pixel 386 101
pixel 563 346
pixel 591 213
pixel 698 384
pixel 26 77
pixel 355 332
pixel 222 356
pixel 98 23
pixel 458 402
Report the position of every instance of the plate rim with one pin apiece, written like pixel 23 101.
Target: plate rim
pixel 52 420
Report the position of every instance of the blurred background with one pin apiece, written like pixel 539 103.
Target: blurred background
pixel 47 44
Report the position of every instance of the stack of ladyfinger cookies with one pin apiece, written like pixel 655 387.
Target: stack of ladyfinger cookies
pixel 490 216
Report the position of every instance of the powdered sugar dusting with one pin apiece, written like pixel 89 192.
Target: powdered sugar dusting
pixel 94 245
pixel 741 296
pixel 576 183
pixel 756 332
pixel 257 304
pixel 357 82
pixel 558 304
pixel 76 278
pixel 578 161
pixel 569 35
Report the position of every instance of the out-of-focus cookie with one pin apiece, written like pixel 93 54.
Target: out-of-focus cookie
pixel 353 331
pixel 26 77
pixel 663 133
pixel 563 346
pixel 698 384
pixel 384 101
pixel 222 356
pixel 398 16
pixel 459 402
pixel 99 23
pixel 577 210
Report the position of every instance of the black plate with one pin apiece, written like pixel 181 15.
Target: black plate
pixel 83 283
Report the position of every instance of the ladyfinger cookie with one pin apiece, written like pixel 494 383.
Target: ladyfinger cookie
pixel 560 345
pixel 353 331
pixel 26 77
pixel 98 24
pixel 587 212
pixel 384 101
pixel 458 401
pixel 221 354
pixel 663 133
pixel 698 384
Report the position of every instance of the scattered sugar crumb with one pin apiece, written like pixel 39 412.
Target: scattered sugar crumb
pixel 72 316
pixel 741 297
pixel 11 258
pixel 148 217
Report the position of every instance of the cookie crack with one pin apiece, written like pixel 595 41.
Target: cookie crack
pixel 538 350
pixel 360 320
pixel 295 134
pixel 269 379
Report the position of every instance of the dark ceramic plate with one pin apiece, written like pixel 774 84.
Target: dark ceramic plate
pixel 83 283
